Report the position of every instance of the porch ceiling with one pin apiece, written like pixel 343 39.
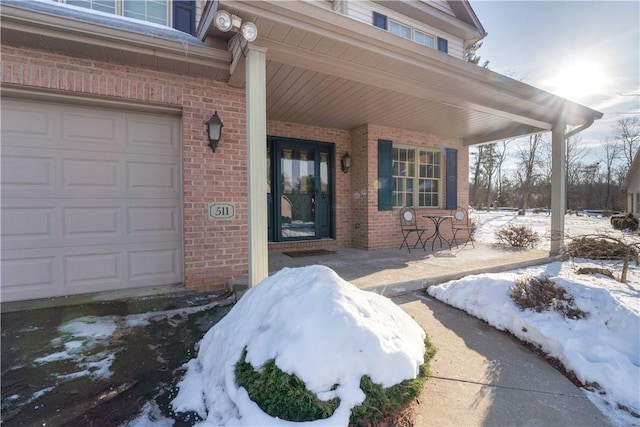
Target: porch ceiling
pixel 325 69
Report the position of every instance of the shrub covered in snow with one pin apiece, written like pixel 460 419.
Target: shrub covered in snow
pixel 326 335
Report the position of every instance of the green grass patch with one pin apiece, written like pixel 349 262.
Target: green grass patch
pixel 285 396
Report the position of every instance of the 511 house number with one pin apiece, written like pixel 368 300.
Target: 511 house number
pixel 221 210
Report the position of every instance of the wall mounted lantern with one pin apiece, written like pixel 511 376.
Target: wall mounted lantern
pixel 225 21
pixel 214 130
pixel 345 162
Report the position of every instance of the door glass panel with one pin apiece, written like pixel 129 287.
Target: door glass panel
pixel 297 201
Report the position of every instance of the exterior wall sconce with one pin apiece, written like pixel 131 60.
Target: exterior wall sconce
pixel 225 21
pixel 214 130
pixel 345 162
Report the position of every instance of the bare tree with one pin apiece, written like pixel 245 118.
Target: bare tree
pixel 471 55
pixel 501 155
pixel 530 164
pixel 574 162
pixel 626 131
pixel 612 153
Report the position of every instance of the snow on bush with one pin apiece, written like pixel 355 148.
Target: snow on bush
pixel 314 325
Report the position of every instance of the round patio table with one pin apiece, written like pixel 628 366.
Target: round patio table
pixel 437 221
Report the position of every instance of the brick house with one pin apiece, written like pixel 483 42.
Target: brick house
pixel 108 179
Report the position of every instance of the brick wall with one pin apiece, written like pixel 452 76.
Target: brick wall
pixel 383 227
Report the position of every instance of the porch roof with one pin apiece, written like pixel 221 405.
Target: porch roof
pixel 329 70
pixel 323 69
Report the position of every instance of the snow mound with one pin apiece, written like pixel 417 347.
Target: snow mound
pixel 316 326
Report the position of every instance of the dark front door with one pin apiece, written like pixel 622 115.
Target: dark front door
pixel 300 197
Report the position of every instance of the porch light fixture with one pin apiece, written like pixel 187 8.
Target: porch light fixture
pixel 225 21
pixel 345 162
pixel 214 130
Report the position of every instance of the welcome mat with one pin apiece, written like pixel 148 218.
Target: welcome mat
pixel 310 252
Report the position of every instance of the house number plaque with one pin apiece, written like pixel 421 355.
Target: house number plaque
pixel 221 210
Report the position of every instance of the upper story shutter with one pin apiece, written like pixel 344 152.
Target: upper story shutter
pixel 452 178
pixel 443 45
pixel 385 175
pixel 184 16
pixel 379 20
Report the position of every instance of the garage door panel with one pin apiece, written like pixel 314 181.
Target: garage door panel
pixel 23 171
pixel 91 130
pixel 82 173
pixel 95 206
pixel 157 176
pixel 149 264
pixel 28 223
pixel 30 273
pixel 154 135
pixel 152 220
pixel 29 125
pixel 94 270
pixel 93 223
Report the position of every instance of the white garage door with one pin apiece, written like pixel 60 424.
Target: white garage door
pixel 91 200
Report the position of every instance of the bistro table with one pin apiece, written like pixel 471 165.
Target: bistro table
pixel 437 220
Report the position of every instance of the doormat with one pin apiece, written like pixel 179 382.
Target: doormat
pixel 311 252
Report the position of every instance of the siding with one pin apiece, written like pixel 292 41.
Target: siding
pixel 363 11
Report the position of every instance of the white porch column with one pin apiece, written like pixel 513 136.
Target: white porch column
pixel 558 188
pixel 256 98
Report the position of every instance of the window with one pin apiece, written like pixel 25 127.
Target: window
pixel 156 11
pixel 399 29
pixel 443 45
pixel 423 39
pixel 409 33
pixel 416 178
pixel 149 10
pixel 379 20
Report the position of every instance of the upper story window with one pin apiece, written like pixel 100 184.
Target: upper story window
pixel 156 11
pixel 423 39
pixel 179 14
pixel 410 33
pixel 399 29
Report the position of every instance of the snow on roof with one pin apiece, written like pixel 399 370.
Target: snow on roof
pixel 105 19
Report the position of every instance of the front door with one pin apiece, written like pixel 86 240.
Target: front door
pixel 300 198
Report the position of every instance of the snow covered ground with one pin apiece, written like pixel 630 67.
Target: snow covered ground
pixel 604 348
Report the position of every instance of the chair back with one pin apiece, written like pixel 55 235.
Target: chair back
pixel 459 217
pixel 408 219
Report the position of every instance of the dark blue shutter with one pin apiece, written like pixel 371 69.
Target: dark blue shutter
pixel 452 178
pixel 443 45
pixel 379 20
pixel 184 16
pixel 385 175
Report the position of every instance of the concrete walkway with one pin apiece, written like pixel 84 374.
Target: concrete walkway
pixel 483 377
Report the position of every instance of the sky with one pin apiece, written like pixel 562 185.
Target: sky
pixel 585 51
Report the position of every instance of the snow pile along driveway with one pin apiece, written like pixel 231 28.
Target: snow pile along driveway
pixel 316 326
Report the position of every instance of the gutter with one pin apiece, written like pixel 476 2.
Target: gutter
pixel 579 129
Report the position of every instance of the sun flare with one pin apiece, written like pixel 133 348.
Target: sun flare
pixel 577 80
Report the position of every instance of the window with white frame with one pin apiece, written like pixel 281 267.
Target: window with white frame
pixel 417 176
pixel 424 39
pixel 399 29
pixel 156 11
pixel 409 33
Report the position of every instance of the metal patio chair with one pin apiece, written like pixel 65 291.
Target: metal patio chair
pixel 460 222
pixel 409 225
